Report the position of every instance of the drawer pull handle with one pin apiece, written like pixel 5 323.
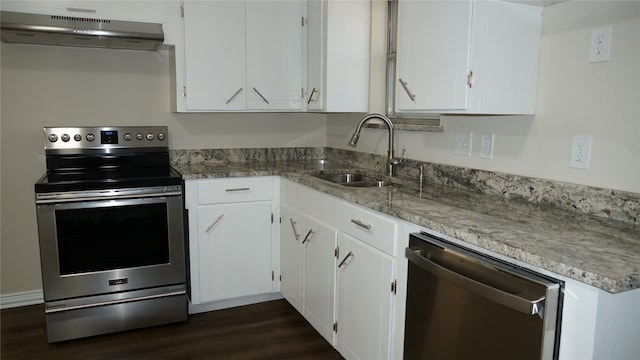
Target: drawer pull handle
pixel 361 224
pixel 293 227
pixel 308 236
pixel 214 223
pixel 238 189
pixel 350 254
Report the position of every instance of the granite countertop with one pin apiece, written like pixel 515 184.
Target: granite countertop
pixel 600 252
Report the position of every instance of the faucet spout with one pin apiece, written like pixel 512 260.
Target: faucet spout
pixel 391 160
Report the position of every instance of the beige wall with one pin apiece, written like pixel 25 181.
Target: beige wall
pixel 55 86
pixel 600 100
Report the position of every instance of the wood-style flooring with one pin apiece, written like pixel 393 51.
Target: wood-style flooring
pixel 270 330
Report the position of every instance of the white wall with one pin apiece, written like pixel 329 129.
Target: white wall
pixel 600 100
pixel 55 86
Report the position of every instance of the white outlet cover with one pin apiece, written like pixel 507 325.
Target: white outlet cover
pixel 580 152
pixel 462 143
pixel 486 145
pixel 600 44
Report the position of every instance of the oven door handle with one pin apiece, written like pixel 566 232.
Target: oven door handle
pixel 531 306
pixel 55 198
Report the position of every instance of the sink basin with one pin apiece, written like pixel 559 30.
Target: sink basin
pixel 352 179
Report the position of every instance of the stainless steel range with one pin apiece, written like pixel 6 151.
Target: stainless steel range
pixel 110 224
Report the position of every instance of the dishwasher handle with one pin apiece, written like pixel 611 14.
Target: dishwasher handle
pixel 533 306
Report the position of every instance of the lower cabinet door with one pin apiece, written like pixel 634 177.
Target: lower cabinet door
pixel 365 276
pixel 291 257
pixel 319 242
pixel 234 250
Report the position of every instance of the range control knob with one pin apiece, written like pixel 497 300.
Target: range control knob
pixel 77 137
pixel 53 137
pixel 160 136
pixel 150 136
pixel 65 137
pixel 90 137
pixel 127 136
pixel 139 136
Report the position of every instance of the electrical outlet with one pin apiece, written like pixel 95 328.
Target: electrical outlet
pixel 462 144
pixel 580 152
pixel 600 44
pixel 486 145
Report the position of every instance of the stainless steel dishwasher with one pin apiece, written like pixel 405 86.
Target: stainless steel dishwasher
pixel 465 305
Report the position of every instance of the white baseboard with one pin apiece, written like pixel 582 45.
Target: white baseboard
pixel 229 303
pixel 21 299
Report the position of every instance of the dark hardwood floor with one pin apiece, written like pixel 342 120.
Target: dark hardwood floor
pixel 270 330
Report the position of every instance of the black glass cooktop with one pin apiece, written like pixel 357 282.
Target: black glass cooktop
pixel 77 173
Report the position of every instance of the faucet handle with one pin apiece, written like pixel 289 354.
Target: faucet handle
pixel 400 160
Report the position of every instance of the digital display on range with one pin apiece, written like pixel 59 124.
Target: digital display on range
pixel 108 137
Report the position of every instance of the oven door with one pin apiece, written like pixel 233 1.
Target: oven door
pixel 103 242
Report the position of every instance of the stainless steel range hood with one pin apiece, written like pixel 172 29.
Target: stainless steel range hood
pixel 77 31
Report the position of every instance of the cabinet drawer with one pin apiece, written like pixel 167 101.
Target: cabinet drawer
pixel 374 229
pixel 234 190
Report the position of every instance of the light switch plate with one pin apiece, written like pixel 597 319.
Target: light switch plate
pixel 486 145
pixel 462 144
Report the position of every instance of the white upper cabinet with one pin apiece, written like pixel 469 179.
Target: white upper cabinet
pixel 240 56
pixel 135 10
pixel 338 51
pixel 467 57
pixel 215 55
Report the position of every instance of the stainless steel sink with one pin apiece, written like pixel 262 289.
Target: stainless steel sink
pixel 352 179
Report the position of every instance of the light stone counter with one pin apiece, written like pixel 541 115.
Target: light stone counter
pixel 601 252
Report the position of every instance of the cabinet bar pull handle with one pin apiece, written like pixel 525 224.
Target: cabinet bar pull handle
pixel 308 236
pixel 350 254
pixel 234 96
pixel 406 89
pixel 214 223
pixel 361 224
pixel 293 227
pixel 470 79
pixel 311 96
pixel 238 189
pixel 258 92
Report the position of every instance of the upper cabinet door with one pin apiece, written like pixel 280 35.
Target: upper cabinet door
pixel 215 55
pixel 433 54
pixel 338 54
pixel 274 55
pixel 467 57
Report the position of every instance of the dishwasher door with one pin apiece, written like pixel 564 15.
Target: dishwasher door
pixel 464 305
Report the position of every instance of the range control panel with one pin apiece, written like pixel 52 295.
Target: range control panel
pixel 123 137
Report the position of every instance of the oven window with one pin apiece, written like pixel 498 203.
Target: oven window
pixel 107 238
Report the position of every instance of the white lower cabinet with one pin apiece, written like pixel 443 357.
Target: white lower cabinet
pixel 365 299
pixel 307 268
pixel 338 273
pixel 230 238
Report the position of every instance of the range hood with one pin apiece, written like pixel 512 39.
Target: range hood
pixel 77 31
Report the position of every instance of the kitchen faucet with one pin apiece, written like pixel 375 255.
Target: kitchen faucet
pixel 391 160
